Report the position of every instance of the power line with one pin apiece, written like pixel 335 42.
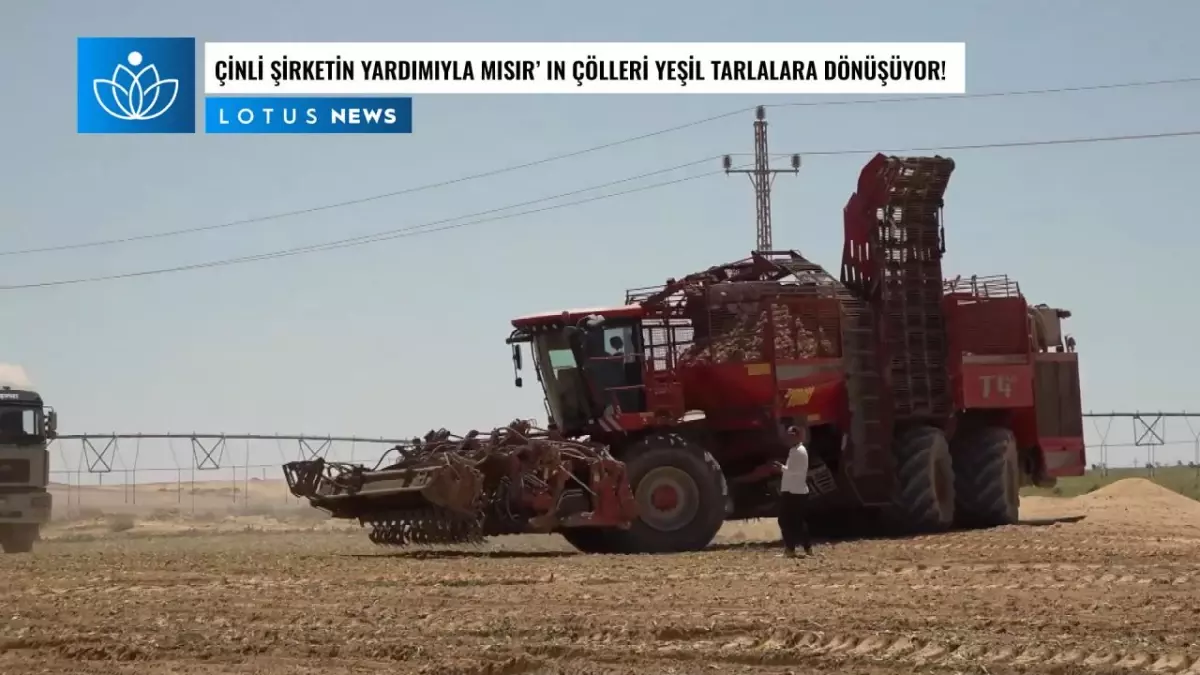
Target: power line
pixel 448 223
pixel 993 94
pixel 585 151
pixel 1016 144
pixel 412 230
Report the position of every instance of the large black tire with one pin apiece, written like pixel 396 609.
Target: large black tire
pixel 987 476
pixel 589 539
pixel 18 538
pixel 924 497
pixel 692 519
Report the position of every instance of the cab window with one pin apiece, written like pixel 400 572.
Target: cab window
pixel 614 364
pixel 20 425
pixel 561 358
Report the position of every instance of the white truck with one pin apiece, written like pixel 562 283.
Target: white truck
pixel 26 427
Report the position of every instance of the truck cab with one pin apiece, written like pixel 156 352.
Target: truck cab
pixel 26 428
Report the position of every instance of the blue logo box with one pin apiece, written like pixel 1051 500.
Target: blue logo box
pixel 307 115
pixel 136 85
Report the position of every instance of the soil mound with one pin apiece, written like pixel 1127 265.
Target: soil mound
pixel 1141 500
pixel 1139 490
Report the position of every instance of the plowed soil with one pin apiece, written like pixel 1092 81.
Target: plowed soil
pixel 1115 591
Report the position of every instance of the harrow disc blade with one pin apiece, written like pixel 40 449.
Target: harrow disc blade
pixel 424 527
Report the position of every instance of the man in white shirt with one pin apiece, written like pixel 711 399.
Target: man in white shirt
pixel 793 495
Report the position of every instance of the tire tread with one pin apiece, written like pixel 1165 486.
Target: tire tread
pixel 918 453
pixel 980 479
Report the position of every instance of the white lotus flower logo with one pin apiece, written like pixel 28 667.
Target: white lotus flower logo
pixel 135 96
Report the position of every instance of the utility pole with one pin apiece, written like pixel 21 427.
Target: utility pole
pixel 762 176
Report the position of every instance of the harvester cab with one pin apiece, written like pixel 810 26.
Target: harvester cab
pixel 590 366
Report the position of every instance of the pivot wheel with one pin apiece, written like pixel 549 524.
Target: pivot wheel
pixel 18 538
pixel 924 496
pixel 988 478
pixel 680 495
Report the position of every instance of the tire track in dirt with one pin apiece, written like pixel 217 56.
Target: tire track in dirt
pixel 1080 532
pixel 1086 545
pixel 1011 576
pixel 978 577
pixel 1083 551
pixel 1021 584
pixel 805 647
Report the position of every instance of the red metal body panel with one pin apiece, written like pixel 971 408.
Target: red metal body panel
pixel 989 325
pixel 1024 424
pixel 858 269
pixel 573 315
pixel 995 385
pixel 996 368
pixel 664 395
pixel 733 395
pixel 823 403
pixel 713 387
pixel 1064 456
pixel 989 335
pixel 813 390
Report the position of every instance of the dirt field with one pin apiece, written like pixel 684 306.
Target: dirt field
pixel 1118 591
pixel 156 509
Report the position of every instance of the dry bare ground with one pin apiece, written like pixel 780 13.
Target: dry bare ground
pixel 1118 591
pixel 85 513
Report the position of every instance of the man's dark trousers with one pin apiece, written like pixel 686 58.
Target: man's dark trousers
pixel 793 521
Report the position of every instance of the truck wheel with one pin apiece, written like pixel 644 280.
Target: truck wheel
pixel 18 538
pixel 680 495
pixel 589 539
pixel 987 478
pixel 924 497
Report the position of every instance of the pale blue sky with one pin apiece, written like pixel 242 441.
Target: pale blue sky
pixel 402 336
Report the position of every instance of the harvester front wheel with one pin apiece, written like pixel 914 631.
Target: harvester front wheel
pixel 589 539
pixel 680 494
pixel 924 498
pixel 987 478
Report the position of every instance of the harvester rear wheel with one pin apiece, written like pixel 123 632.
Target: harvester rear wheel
pixel 987 478
pixel 924 497
pixel 680 493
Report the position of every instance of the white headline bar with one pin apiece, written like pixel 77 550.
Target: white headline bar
pixel 403 68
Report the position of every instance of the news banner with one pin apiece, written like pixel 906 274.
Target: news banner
pixel 151 84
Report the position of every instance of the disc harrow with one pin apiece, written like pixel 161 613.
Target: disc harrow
pixel 446 489
pixel 431 527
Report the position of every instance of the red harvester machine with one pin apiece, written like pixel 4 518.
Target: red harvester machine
pixel 928 403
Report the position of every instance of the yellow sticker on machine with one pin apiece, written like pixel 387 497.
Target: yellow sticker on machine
pixel 758 369
pixel 799 396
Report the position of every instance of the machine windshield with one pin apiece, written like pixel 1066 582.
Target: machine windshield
pixel 20 425
pixel 562 379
